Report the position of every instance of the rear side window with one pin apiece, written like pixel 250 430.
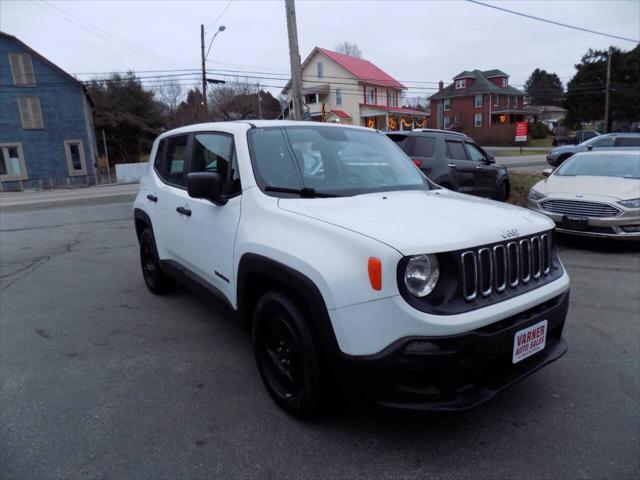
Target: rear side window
pixel 627 142
pixel 423 146
pixel 171 159
pixel 455 150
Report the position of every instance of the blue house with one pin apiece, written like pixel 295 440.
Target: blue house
pixel 47 136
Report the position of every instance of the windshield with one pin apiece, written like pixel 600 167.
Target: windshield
pixel 330 160
pixel 624 166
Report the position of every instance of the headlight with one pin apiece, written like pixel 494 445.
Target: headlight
pixel 421 275
pixel 634 203
pixel 535 195
pixel 553 153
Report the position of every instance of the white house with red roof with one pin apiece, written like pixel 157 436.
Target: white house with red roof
pixel 346 89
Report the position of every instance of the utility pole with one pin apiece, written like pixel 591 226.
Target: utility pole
pixel 259 103
pixel 294 59
pixel 606 95
pixel 204 76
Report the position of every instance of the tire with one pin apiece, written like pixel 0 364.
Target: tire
pixel 286 356
pixel 502 195
pixel 156 279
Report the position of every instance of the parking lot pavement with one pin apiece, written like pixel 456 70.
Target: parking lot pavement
pixel 102 379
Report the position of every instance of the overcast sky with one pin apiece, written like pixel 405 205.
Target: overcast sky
pixel 414 41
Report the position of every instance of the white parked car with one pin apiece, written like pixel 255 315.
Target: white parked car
pixel 595 194
pixel 352 271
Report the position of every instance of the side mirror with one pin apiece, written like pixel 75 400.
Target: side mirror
pixel 491 158
pixel 547 171
pixel 590 147
pixel 207 185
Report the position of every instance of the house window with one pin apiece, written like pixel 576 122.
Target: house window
pixel 338 96
pixel 320 72
pixel 507 101
pixel 461 83
pixel 22 69
pixel 30 112
pixel 478 101
pixel 447 122
pixel 496 100
pixel 477 119
pixel 515 102
pixel 370 95
pixel 392 99
pixel 456 118
pixel 505 82
pixel 75 157
pixel 12 166
pixel 447 104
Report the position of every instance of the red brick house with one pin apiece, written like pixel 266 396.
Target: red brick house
pixel 481 104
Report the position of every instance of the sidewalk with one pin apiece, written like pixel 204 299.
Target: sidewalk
pixel 63 197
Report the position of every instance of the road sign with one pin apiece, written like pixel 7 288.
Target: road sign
pixel 522 129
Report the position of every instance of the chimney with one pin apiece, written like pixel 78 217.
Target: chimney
pixel 441 87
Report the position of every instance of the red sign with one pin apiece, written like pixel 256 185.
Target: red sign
pixel 522 129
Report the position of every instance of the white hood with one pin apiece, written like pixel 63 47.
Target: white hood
pixel 416 222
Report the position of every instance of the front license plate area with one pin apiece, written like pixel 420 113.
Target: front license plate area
pixel 528 341
pixel 575 222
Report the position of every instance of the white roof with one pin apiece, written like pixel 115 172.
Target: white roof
pixel 240 126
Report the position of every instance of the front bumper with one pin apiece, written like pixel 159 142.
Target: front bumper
pixel 602 227
pixel 456 372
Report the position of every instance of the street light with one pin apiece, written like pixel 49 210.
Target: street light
pixel 221 28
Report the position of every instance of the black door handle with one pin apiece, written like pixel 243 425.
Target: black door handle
pixel 153 198
pixel 183 211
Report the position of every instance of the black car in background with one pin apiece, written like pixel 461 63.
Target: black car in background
pixel 454 161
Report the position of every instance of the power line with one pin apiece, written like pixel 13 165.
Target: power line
pixel 221 14
pixel 553 21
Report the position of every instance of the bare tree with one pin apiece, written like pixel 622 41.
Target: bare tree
pixel 170 95
pixel 234 100
pixel 348 48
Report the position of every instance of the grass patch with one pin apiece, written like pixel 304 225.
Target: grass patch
pixel 516 153
pixel 520 185
pixel 541 142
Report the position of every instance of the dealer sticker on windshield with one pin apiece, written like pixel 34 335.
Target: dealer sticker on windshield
pixel 529 341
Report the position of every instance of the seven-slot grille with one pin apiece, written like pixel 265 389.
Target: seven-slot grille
pixel 495 268
pixel 579 207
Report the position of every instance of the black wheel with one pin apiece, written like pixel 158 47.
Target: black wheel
pixel 156 279
pixel 286 355
pixel 502 195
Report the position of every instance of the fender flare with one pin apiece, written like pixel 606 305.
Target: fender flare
pixel 141 218
pixel 283 277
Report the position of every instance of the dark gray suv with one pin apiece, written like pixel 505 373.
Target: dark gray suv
pixel 455 161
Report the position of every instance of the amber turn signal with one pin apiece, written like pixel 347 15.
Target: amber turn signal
pixel 375 273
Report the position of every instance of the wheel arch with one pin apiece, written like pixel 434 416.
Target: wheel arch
pixel 142 221
pixel 258 274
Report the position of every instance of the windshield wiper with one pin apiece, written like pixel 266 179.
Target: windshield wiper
pixel 305 192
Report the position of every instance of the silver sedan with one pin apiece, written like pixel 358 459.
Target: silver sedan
pixel 593 193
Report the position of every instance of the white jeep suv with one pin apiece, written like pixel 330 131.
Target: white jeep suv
pixel 351 269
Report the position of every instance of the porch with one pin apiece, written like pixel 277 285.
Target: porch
pixel 508 116
pixel 392 118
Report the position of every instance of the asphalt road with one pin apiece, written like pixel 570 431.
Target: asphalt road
pixel 102 379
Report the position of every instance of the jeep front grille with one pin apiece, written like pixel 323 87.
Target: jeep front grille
pixel 491 270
